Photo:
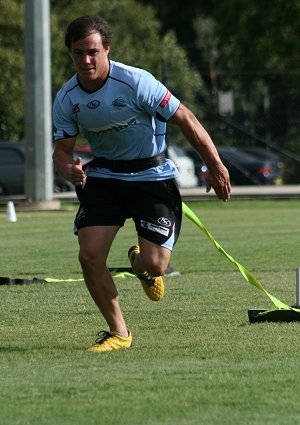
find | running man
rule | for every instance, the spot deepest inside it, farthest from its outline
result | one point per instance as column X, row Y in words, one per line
column 122, row 111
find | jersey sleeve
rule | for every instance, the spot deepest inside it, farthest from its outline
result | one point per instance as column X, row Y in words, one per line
column 155, row 98
column 65, row 125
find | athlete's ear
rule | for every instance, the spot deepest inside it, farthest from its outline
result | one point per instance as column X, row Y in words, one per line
column 70, row 54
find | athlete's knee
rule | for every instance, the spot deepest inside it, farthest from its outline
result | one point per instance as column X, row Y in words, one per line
column 90, row 260
column 85, row 259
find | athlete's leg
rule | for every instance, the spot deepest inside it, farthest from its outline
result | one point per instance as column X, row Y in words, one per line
column 95, row 243
column 152, row 258
column 158, row 222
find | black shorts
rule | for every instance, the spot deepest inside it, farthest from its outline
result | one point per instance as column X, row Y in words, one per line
column 155, row 207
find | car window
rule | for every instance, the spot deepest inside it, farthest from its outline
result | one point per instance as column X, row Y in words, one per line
column 235, row 155
column 10, row 157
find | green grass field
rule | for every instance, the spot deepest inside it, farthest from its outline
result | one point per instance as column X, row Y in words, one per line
column 195, row 360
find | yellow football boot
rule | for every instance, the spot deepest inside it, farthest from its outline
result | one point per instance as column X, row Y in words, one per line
column 107, row 341
column 153, row 286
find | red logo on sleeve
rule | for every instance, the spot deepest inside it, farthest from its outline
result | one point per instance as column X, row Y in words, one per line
column 165, row 99
column 75, row 108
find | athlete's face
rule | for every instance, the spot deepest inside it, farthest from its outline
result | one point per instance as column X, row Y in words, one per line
column 90, row 58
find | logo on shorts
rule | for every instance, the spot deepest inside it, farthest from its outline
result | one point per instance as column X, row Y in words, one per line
column 164, row 221
column 155, row 228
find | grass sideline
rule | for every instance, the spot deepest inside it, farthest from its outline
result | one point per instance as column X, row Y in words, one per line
column 195, row 360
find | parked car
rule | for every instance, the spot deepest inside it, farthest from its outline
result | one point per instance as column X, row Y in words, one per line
column 12, row 170
column 267, row 155
column 244, row 168
column 200, row 167
column 185, row 166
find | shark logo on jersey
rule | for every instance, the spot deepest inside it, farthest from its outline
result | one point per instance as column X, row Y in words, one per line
column 118, row 103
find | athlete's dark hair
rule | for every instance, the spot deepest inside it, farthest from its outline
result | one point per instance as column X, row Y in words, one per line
column 86, row 25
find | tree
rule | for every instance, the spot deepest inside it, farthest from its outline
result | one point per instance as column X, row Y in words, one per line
column 12, row 69
column 263, row 40
column 137, row 41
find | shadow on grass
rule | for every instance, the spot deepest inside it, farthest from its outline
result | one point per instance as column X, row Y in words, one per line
column 14, row 349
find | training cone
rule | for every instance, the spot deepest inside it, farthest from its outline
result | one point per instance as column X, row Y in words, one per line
column 11, row 212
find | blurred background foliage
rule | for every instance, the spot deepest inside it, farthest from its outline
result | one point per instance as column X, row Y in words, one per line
column 235, row 63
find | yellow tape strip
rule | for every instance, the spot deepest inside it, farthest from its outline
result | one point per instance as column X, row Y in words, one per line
column 122, row 275
column 247, row 275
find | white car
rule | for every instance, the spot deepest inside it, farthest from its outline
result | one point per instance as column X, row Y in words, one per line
column 185, row 165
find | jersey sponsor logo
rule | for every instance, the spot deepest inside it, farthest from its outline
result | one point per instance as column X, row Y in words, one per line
column 112, row 128
column 93, row 104
column 155, row 228
column 118, row 103
column 164, row 221
column 76, row 108
column 166, row 99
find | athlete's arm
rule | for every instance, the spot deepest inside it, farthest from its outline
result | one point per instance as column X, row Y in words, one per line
column 217, row 177
column 64, row 162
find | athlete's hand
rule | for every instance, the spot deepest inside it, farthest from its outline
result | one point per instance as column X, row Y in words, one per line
column 219, row 180
column 76, row 173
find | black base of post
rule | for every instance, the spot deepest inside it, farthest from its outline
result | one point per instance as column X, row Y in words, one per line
column 280, row 315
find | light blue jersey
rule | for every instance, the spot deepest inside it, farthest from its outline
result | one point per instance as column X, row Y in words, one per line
column 125, row 119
